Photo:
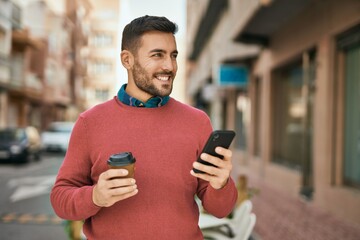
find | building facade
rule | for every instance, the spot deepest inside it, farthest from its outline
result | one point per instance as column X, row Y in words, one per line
column 103, row 52
column 78, row 15
column 293, row 102
column 6, row 26
column 42, row 61
column 21, row 81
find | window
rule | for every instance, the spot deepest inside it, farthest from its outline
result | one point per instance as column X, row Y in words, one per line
column 257, row 117
column 292, row 113
column 100, row 67
column 242, row 119
column 101, row 39
column 349, row 52
column 3, row 42
column 101, row 94
column 352, row 116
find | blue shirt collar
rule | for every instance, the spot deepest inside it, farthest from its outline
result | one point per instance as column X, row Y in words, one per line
column 131, row 101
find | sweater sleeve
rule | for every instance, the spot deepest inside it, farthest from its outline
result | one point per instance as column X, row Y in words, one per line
column 71, row 196
column 218, row 202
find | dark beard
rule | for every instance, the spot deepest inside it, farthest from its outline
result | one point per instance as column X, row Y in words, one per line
column 144, row 82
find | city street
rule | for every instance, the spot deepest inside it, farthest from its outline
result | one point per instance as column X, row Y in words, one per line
column 25, row 209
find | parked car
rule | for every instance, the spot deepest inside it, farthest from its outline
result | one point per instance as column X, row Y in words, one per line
column 19, row 144
column 57, row 136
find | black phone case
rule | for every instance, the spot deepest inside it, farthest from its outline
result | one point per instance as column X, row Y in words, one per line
column 221, row 138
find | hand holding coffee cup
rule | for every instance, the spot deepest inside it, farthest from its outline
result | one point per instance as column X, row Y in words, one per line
column 114, row 185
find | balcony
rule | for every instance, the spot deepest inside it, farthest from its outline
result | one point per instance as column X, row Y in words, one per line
column 17, row 71
column 4, row 69
column 24, row 82
column 207, row 25
column 21, row 39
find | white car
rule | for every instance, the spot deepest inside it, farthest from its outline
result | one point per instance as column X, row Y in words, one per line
column 57, row 137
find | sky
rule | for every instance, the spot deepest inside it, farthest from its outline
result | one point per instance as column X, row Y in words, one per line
column 174, row 10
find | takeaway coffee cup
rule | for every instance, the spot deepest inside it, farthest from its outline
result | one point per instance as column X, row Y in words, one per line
column 124, row 160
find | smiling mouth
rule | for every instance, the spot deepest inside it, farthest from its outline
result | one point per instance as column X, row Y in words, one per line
column 163, row 78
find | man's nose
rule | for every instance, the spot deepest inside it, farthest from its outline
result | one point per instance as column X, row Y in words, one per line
column 169, row 64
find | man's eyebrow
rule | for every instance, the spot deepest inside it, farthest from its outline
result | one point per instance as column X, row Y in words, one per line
column 157, row 50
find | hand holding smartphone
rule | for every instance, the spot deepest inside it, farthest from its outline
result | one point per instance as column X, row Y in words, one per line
column 218, row 138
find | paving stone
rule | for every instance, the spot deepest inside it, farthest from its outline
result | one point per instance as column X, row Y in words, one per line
column 280, row 216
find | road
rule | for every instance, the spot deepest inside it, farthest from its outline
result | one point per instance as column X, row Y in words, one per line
column 25, row 209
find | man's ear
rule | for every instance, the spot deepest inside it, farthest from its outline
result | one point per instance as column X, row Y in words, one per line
column 127, row 59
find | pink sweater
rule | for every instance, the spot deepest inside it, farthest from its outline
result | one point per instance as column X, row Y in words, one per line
column 165, row 141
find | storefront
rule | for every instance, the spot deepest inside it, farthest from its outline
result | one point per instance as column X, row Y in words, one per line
column 305, row 131
column 297, row 120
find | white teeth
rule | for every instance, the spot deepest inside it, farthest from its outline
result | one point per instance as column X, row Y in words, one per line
column 163, row 78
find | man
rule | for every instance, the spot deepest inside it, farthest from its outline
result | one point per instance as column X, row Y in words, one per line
column 164, row 135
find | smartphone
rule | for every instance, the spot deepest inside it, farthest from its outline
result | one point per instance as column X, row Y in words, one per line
column 218, row 138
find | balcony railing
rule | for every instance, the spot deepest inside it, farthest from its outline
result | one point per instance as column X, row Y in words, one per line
column 5, row 10
column 4, row 69
column 17, row 71
column 33, row 82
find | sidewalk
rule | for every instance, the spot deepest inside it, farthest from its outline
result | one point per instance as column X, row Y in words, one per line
column 282, row 217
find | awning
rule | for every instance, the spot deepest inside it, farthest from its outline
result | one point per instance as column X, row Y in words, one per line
column 207, row 25
column 269, row 18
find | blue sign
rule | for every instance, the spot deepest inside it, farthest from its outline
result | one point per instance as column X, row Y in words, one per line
column 233, row 75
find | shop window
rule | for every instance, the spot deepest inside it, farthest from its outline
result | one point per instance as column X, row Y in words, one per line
column 349, row 62
column 257, row 116
column 352, row 117
column 13, row 115
column 242, row 119
column 292, row 103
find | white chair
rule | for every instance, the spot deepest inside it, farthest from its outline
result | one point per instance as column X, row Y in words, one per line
column 239, row 227
column 209, row 222
column 244, row 235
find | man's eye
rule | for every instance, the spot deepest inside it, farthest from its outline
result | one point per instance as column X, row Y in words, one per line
column 157, row 55
column 174, row 55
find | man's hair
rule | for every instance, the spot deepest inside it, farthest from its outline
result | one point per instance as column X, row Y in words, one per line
column 133, row 31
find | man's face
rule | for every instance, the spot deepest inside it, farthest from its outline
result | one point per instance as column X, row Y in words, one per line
column 155, row 64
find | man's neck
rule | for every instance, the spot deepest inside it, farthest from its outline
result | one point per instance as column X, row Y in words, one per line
column 134, row 91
